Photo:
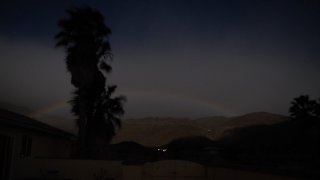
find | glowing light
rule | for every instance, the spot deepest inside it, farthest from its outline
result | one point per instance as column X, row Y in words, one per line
column 162, row 150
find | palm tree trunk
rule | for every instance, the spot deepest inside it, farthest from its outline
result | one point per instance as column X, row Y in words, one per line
column 82, row 142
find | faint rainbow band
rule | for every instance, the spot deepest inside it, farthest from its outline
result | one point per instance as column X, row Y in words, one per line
column 216, row 107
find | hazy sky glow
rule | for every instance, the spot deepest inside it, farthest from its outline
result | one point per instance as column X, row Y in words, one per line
column 186, row 58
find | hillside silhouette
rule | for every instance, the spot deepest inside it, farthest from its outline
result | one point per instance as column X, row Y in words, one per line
column 160, row 131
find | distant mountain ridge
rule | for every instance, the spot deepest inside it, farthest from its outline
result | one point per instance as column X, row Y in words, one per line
column 160, row 131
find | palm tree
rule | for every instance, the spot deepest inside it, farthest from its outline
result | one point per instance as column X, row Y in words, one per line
column 106, row 118
column 85, row 38
column 304, row 110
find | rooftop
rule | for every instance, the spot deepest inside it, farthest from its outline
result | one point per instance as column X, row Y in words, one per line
column 10, row 118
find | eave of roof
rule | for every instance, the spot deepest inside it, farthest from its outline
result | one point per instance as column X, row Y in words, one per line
column 18, row 120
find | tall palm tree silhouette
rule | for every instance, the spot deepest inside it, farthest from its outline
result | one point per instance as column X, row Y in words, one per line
column 85, row 38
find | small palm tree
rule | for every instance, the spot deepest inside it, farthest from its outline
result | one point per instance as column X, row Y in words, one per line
column 304, row 110
column 85, row 38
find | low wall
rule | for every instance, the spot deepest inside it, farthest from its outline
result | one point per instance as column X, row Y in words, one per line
column 179, row 170
column 162, row 170
column 67, row 169
column 215, row 173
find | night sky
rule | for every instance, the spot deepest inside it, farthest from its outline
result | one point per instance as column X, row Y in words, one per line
column 187, row 58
